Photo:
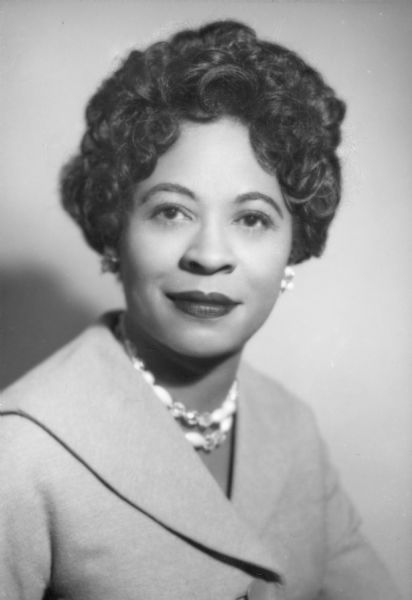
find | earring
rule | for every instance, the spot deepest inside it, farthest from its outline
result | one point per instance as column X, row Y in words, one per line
column 110, row 261
column 286, row 283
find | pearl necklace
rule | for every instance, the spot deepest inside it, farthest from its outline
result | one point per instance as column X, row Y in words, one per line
column 205, row 431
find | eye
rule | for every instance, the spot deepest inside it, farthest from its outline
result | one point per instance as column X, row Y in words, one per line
column 170, row 213
column 255, row 220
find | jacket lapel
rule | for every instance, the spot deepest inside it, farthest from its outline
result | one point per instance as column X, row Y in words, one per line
column 88, row 393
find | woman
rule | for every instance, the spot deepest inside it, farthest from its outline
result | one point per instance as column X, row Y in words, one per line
column 144, row 459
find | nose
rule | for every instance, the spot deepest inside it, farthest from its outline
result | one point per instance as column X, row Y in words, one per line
column 209, row 252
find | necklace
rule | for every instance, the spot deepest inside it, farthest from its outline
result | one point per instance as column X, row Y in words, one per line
column 205, row 431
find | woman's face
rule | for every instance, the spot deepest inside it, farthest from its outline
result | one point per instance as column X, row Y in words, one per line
column 206, row 243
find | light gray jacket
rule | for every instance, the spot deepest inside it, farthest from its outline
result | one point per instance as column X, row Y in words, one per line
column 102, row 498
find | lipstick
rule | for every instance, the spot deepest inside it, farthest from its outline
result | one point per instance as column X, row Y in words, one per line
column 204, row 306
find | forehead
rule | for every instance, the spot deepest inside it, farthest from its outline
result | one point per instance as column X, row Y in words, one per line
column 213, row 159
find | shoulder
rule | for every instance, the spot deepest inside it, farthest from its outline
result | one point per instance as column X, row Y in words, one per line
column 63, row 396
column 271, row 398
column 71, row 369
column 285, row 424
column 83, row 393
column 45, row 390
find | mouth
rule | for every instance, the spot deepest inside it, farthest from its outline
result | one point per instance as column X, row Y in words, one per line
column 201, row 305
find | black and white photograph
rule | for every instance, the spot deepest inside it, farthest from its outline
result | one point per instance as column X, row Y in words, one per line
column 205, row 300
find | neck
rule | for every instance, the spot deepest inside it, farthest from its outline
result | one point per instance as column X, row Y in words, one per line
column 200, row 383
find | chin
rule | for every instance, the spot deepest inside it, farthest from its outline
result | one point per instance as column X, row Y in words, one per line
column 206, row 346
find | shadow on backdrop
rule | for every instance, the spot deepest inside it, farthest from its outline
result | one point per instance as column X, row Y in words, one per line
column 37, row 316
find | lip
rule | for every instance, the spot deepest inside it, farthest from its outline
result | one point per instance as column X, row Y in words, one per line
column 202, row 297
column 201, row 305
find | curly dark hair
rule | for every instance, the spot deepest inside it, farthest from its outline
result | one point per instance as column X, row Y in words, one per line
column 220, row 69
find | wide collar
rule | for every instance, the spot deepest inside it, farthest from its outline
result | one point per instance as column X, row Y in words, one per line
column 101, row 409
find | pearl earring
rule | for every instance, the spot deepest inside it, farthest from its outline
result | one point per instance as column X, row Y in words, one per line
column 286, row 283
column 110, row 261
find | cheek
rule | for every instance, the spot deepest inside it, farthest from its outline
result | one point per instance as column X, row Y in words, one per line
column 265, row 267
column 144, row 258
column 266, row 287
column 266, row 290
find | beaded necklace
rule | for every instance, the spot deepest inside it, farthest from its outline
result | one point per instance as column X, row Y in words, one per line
column 205, row 431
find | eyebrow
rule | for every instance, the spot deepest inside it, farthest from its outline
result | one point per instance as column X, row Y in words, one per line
column 167, row 187
column 260, row 196
column 180, row 189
